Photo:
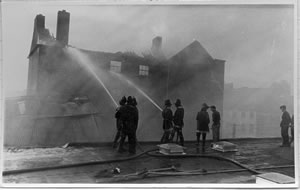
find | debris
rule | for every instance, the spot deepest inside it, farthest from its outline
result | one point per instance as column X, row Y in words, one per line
column 224, row 146
column 116, row 171
column 14, row 150
column 66, row 145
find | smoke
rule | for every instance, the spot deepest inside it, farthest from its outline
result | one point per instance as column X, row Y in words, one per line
column 84, row 61
column 121, row 77
column 241, row 35
column 160, row 29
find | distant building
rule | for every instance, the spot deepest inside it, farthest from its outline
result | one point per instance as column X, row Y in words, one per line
column 65, row 103
column 254, row 112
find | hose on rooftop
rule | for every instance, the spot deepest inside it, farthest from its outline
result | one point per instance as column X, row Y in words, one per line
column 206, row 156
column 149, row 153
column 14, row 172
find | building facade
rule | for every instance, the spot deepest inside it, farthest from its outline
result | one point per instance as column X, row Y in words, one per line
column 71, row 92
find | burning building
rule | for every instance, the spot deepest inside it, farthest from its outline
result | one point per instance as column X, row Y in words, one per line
column 72, row 93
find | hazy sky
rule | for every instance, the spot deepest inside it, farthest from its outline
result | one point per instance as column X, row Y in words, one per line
column 255, row 40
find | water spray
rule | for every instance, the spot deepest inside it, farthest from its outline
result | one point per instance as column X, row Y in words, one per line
column 86, row 62
column 137, row 88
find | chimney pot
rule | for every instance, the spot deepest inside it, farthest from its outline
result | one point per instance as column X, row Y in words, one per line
column 156, row 48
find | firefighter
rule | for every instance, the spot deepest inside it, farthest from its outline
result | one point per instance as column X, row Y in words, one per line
column 129, row 117
column 167, row 115
column 119, row 123
column 202, row 125
column 178, row 122
column 136, row 122
column 136, row 111
column 216, row 123
column 284, row 124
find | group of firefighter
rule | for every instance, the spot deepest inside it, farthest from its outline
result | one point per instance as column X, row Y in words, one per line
column 127, row 116
column 173, row 124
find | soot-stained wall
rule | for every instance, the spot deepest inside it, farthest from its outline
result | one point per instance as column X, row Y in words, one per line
column 68, row 103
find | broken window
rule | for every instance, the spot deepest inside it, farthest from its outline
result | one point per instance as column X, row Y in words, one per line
column 115, row 66
column 79, row 99
column 144, row 70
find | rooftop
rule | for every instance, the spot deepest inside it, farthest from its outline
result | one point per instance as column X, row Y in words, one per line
column 253, row 153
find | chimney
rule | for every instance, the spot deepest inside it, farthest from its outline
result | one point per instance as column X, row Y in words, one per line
column 156, row 44
column 156, row 48
column 39, row 22
column 62, row 28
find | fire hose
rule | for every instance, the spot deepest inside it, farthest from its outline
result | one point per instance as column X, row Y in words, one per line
column 152, row 154
column 14, row 172
column 206, row 156
column 174, row 172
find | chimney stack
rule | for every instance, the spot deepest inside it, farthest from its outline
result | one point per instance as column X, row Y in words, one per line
column 62, row 28
column 39, row 21
column 156, row 43
column 156, row 48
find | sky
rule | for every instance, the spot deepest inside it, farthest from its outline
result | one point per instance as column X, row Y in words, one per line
column 256, row 41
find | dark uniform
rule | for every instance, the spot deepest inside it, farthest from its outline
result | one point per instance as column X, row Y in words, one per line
column 202, row 125
column 216, row 124
column 129, row 116
column 167, row 115
column 284, row 124
column 178, row 122
column 292, row 129
column 136, row 122
column 119, row 121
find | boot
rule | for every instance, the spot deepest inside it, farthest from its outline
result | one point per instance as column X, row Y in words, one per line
column 118, row 135
column 121, row 150
column 115, row 145
column 198, row 139
column 181, row 139
column 203, row 142
column 121, row 144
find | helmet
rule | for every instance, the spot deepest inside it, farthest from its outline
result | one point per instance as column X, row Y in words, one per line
column 130, row 100
column 168, row 103
column 178, row 102
column 123, row 101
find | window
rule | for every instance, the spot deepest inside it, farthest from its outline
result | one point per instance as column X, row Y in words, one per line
column 252, row 115
column 234, row 115
column 115, row 66
column 243, row 114
column 144, row 70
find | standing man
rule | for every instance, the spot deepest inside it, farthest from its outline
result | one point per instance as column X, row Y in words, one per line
column 178, row 122
column 284, row 124
column 136, row 119
column 216, row 123
column 167, row 115
column 119, row 123
column 129, row 117
column 202, row 125
column 292, row 129
column 136, row 112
